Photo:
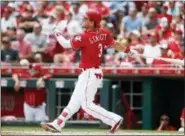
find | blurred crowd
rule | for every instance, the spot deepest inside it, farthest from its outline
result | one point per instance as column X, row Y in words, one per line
column 152, row 28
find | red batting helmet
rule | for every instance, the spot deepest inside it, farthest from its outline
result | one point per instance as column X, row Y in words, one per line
column 94, row 16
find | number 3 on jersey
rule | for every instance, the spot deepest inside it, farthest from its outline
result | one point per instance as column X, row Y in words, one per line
column 100, row 47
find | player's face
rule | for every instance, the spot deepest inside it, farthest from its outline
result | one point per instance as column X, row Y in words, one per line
column 86, row 23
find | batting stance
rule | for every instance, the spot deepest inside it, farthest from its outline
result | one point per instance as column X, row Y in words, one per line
column 91, row 43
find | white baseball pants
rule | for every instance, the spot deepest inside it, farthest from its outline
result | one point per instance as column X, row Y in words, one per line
column 83, row 96
column 35, row 113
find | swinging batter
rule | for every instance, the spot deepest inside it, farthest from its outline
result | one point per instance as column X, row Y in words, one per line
column 91, row 43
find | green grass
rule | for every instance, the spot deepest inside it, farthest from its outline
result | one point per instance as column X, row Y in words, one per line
column 26, row 129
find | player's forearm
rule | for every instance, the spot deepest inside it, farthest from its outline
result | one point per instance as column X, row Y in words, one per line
column 160, row 128
column 138, row 58
column 62, row 41
column 47, row 76
column 119, row 47
column 15, row 77
column 182, row 122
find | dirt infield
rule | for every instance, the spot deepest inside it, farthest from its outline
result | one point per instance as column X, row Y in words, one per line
column 38, row 131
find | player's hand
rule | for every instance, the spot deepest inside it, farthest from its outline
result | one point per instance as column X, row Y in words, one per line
column 132, row 53
column 40, row 83
column 17, row 86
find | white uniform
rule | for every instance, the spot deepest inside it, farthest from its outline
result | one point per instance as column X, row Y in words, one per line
column 83, row 96
column 35, row 113
column 91, row 44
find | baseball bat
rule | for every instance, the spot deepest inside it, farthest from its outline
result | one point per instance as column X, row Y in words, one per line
column 173, row 61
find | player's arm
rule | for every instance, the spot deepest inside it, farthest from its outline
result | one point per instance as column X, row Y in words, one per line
column 62, row 41
column 17, row 82
column 123, row 46
column 75, row 43
column 117, row 45
column 120, row 46
column 41, row 80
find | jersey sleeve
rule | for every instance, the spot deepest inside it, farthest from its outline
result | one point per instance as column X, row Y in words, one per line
column 78, row 41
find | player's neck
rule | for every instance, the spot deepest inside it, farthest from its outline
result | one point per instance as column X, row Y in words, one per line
column 91, row 30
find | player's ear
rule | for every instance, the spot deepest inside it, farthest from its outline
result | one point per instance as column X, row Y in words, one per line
column 93, row 24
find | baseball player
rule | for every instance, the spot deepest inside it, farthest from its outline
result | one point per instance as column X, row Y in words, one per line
column 91, row 43
column 34, row 105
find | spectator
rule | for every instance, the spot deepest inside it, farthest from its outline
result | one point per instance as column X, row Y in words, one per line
column 178, row 24
column 152, row 49
column 7, row 53
column 38, row 58
column 164, row 54
column 143, row 15
column 7, row 20
column 48, row 6
column 22, row 46
column 75, row 11
column 39, row 13
column 116, row 12
column 103, row 10
column 28, row 20
column 181, row 129
column 163, row 29
column 165, row 124
column 154, row 4
column 149, row 16
column 11, row 7
column 48, row 23
column 59, row 12
column 34, row 99
column 65, row 4
column 37, row 39
column 153, row 21
column 175, row 43
column 172, row 8
column 109, row 57
column 69, row 27
column 123, row 60
column 126, row 60
column 22, row 6
column 83, row 7
column 58, row 60
column 181, row 9
column 61, row 61
column 164, row 13
column 130, row 22
column 69, row 55
column 18, row 18
column 135, row 41
column 115, row 7
column 11, row 33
